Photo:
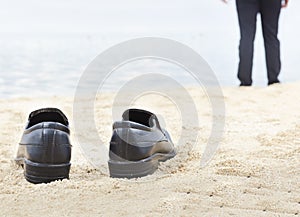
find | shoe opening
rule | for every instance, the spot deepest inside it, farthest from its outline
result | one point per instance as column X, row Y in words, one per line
column 47, row 115
column 139, row 116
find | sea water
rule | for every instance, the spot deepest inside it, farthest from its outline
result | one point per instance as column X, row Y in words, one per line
column 48, row 56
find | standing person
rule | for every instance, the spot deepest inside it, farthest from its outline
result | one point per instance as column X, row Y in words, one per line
column 247, row 12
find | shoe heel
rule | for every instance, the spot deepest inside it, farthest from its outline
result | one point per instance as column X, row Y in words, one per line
column 131, row 169
column 44, row 173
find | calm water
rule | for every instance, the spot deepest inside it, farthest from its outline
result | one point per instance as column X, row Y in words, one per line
column 52, row 63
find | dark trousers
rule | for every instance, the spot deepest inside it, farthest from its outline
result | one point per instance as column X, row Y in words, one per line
column 247, row 14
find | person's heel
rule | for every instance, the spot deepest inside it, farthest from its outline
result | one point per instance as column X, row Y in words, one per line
column 44, row 173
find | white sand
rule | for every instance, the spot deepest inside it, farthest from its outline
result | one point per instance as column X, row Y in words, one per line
column 256, row 171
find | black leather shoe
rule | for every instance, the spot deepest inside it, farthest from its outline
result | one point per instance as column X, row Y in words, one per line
column 45, row 150
column 137, row 145
column 245, row 85
column 273, row 82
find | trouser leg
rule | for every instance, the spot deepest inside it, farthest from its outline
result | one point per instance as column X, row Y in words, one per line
column 247, row 14
column 270, row 11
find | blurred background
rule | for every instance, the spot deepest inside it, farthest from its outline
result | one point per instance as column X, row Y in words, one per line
column 46, row 45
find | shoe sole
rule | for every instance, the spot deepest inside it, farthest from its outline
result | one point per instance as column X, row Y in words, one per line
column 135, row 169
column 44, row 173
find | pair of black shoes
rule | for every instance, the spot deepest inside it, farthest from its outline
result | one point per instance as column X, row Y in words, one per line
column 137, row 146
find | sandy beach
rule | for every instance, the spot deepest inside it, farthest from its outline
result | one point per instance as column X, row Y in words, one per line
column 255, row 172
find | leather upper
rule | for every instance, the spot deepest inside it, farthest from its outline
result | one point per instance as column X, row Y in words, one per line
column 46, row 141
column 138, row 136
